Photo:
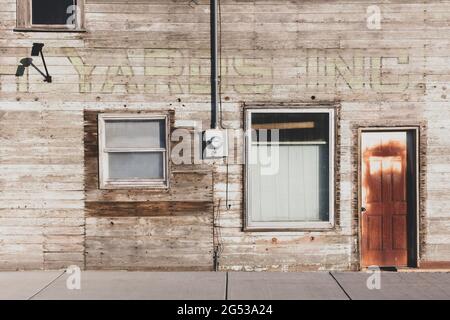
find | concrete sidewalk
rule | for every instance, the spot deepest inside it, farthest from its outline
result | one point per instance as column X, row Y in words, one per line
column 104, row 285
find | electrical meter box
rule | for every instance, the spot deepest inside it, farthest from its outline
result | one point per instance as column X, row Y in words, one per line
column 215, row 144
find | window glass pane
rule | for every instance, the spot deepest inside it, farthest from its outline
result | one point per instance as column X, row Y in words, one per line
column 291, row 127
column 51, row 11
column 135, row 134
column 129, row 165
column 289, row 168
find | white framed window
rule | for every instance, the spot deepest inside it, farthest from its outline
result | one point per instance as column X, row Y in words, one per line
column 133, row 151
column 289, row 169
column 50, row 15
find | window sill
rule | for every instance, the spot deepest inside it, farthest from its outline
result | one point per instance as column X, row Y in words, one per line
column 50, row 30
column 289, row 227
column 150, row 187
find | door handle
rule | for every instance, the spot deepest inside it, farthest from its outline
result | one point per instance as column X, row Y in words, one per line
column 363, row 210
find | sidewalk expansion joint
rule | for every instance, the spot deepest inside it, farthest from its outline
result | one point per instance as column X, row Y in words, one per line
column 226, row 286
column 340, row 286
column 48, row 285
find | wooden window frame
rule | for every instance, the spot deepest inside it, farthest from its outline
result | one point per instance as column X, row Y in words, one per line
column 250, row 225
column 24, row 20
column 105, row 182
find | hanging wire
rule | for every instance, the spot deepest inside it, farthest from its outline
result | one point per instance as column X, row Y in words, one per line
column 217, row 231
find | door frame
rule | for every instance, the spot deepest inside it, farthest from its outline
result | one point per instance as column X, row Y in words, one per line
column 416, row 131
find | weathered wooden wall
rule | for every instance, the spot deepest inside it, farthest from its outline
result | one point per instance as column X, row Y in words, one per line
column 147, row 229
column 154, row 55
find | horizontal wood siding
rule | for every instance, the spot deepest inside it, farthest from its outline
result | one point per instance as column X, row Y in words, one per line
column 41, row 183
column 147, row 229
column 154, row 55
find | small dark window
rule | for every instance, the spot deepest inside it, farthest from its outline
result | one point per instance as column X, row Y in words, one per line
column 53, row 12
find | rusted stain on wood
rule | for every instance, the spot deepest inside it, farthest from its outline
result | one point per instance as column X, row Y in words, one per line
column 385, row 217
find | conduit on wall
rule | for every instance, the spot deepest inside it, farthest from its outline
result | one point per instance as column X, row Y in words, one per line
column 214, row 64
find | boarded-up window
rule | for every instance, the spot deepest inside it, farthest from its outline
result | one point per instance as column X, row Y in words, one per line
column 289, row 169
column 132, row 151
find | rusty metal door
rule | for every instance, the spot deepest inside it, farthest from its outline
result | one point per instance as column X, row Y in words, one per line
column 384, row 212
